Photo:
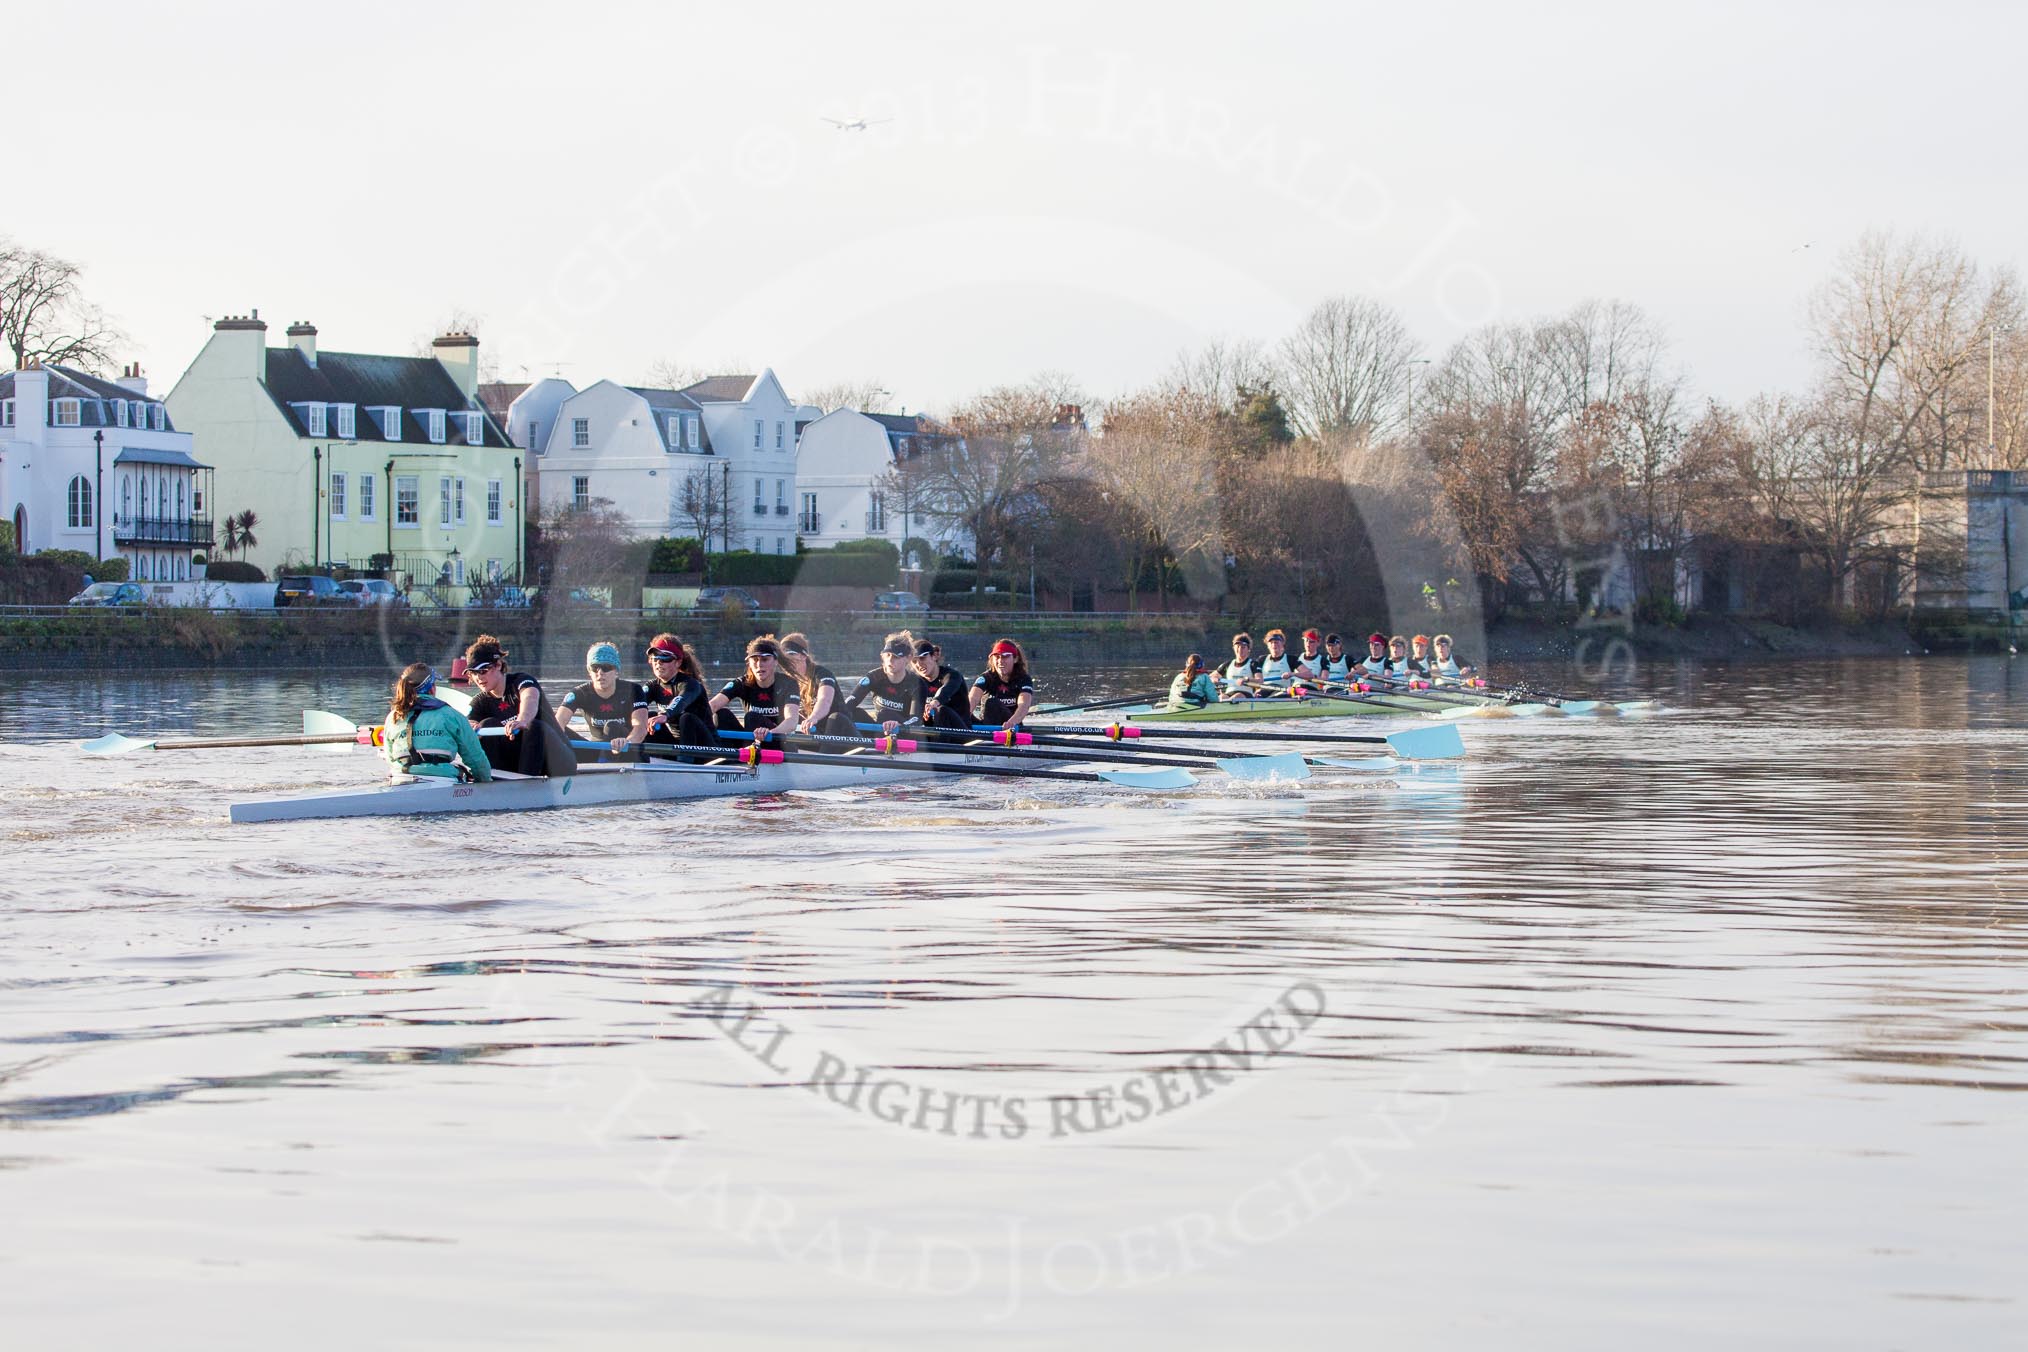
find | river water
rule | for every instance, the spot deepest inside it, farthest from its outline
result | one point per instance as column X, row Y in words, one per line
column 1702, row 1026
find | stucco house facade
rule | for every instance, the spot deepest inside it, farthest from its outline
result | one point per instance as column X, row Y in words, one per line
column 383, row 463
column 98, row 465
column 649, row 452
column 844, row 486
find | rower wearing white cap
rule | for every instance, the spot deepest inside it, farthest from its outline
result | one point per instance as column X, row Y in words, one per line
column 616, row 711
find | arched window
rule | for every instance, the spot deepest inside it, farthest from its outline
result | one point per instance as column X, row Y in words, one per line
column 162, row 498
column 78, row 514
column 126, row 497
column 179, row 499
column 141, row 568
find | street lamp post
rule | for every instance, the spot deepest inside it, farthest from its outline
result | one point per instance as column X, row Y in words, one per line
column 1992, row 340
column 1411, row 364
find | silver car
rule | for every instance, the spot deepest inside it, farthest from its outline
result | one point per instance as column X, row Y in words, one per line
column 372, row 591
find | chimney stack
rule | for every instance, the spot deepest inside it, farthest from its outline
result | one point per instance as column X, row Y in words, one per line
column 459, row 354
column 303, row 337
column 131, row 378
column 247, row 336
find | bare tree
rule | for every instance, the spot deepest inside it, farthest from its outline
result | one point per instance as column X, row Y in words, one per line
column 1345, row 368
column 1223, row 371
column 462, row 320
column 861, row 396
column 701, row 503
column 44, row 316
column 672, row 373
column 1156, row 466
column 1008, row 441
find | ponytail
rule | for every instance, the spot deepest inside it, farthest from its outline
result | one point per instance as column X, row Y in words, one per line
column 408, row 689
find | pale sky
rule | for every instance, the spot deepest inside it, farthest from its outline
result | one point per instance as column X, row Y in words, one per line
column 1080, row 187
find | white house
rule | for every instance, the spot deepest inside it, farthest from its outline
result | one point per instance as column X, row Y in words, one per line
column 96, row 465
column 842, row 470
column 654, row 453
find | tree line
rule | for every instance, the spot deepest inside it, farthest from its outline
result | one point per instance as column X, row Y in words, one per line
column 1339, row 472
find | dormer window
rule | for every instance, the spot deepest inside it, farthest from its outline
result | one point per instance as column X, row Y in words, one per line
column 475, row 429
column 6, row 413
column 64, row 413
column 390, row 422
column 690, row 434
column 346, row 423
column 161, row 417
column 119, row 413
column 433, row 421
column 314, row 417
column 675, row 433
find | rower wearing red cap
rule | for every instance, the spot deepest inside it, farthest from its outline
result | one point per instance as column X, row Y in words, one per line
column 678, row 703
column 1310, row 661
column 1004, row 694
column 1376, row 655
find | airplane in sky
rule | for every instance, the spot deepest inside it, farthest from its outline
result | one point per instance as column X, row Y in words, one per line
column 855, row 124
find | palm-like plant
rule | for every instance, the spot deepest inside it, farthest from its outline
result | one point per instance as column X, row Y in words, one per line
column 228, row 535
column 247, row 521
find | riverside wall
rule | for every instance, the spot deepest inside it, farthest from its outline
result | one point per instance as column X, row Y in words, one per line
column 176, row 639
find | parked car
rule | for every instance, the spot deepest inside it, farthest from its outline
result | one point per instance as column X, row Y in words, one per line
column 901, row 601
column 111, row 594
column 373, row 591
column 309, row 589
column 717, row 600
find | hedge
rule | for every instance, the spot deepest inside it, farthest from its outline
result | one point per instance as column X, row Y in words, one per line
column 968, row 580
column 821, row 568
column 111, row 570
column 234, row 570
column 680, row 554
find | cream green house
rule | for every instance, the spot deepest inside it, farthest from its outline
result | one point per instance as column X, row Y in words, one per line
column 381, row 463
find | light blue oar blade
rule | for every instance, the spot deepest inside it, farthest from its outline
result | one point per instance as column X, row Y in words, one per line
column 1452, row 715
column 1358, row 763
column 1287, row 765
column 115, row 744
column 456, row 698
column 317, row 722
column 1580, row 707
column 1150, row 779
column 1442, row 742
column 1529, row 710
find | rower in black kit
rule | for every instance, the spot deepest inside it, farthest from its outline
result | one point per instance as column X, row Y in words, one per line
column 768, row 695
column 617, row 716
column 949, row 703
column 536, row 746
column 891, row 694
column 678, row 704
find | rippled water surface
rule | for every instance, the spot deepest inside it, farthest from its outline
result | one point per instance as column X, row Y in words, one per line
column 1699, row 1028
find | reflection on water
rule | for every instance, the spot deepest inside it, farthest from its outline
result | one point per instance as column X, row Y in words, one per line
column 1617, row 1016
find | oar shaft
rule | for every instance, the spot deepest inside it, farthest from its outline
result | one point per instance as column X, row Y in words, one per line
column 777, row 757
column 214, row 743
column 1163, row 732
column 950, row 742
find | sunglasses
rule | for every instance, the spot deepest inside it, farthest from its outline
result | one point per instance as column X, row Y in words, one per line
column 659, row 655
column 598, row 667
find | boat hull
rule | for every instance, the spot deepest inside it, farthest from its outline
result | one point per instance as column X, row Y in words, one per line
column 1320, row 707
column 592, row 786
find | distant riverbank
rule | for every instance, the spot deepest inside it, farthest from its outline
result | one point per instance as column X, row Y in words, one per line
column 175, row 639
